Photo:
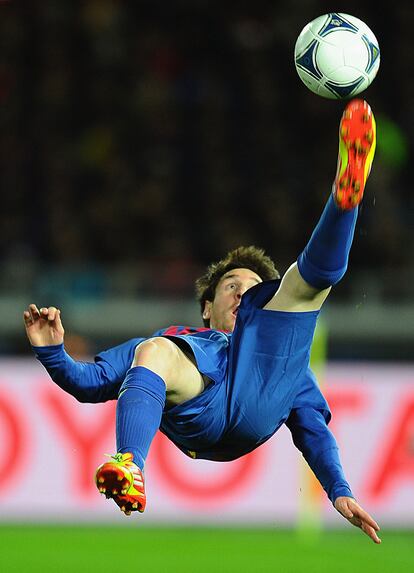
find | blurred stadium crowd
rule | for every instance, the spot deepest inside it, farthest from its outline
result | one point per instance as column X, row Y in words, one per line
column 141, row 140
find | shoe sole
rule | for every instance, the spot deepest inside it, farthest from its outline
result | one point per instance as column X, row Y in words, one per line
column 111, row 482
column 356, row 151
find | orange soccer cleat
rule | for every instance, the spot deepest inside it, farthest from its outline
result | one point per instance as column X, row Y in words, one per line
column 357, row 138
column 122, row 480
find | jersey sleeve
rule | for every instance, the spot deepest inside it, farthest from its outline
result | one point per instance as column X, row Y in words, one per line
column 308, row 423
column 93, row 382
column 310, row 395
column 313, row 438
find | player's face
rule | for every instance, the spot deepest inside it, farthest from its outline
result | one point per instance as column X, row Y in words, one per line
column 222, row 311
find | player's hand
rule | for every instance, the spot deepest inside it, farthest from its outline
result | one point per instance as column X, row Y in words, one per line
column 43, row 327
column 354, row 513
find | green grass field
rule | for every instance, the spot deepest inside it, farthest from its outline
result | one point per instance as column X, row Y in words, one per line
column 101, row 549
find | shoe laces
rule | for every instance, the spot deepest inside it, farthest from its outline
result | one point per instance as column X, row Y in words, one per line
column 116, row 457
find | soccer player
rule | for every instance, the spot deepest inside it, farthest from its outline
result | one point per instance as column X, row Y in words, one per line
column 220, row 391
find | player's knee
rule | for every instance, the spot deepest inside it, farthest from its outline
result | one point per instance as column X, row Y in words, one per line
column 157, row 354
column 317, row 276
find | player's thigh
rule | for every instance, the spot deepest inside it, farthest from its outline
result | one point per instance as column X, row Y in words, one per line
column 176, row 366
column 296, row 295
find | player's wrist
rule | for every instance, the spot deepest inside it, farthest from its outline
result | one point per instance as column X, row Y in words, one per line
column 46, row 349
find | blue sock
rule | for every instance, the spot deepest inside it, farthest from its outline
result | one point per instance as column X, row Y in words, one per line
column 138, row 412
column 325, row 258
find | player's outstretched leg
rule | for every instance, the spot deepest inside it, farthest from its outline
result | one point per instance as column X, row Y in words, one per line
column 122, row 480
column 357, row 137
column 324, row 260
column 138, row 415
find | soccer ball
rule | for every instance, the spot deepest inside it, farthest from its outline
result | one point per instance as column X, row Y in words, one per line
column 337, row 56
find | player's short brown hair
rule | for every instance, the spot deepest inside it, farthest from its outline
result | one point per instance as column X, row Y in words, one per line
column 250, row 258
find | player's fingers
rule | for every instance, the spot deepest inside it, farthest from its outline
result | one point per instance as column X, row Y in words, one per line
column 365, row 517
column 371, row 522
column 371, row 532
column 34, row 312
column 27, row 317
column 58, row 319
column 365, row 522
column 52, row 313
column 43, row 312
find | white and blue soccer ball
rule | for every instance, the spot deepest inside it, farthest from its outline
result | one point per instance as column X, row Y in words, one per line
column 337, row 56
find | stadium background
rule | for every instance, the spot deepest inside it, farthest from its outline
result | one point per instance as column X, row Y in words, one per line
column 141, row 140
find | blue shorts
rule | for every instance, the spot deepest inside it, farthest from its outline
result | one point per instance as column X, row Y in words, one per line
column 256, row 374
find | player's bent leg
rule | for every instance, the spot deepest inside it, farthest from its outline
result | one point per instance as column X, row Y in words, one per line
column 159, row 369
column 181, row 376
column 139, row 410
column 121, row 479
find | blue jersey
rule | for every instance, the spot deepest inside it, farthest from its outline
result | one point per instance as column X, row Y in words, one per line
column 259, row 379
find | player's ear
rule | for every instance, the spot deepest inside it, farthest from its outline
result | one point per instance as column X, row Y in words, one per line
column 207, row 310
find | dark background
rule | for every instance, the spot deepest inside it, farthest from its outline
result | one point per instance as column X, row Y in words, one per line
column 139, row 141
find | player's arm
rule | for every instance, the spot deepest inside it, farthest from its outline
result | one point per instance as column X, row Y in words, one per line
column 87, row 382
column 313, row 438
